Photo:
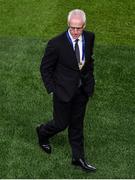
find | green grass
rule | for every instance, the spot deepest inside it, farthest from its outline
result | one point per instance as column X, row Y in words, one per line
column 24, row 103
column 112, row 21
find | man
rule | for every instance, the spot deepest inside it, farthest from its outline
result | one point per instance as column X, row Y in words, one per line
column 67, row 73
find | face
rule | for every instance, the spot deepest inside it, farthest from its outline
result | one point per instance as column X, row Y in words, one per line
column 76, row 26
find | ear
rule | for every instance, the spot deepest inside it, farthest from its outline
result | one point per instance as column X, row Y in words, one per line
column 84, row 26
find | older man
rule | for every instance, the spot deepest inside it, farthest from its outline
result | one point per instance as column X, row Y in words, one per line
column 67, row 73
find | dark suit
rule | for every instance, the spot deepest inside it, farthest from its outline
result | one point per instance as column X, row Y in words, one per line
column 61, row 75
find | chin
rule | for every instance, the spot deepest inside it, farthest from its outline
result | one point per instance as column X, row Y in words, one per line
column 75, row 37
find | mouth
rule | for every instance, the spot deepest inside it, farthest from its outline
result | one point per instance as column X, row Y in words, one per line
column 75, row 35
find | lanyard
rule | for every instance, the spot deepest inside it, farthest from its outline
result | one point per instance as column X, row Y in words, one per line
column 83, row 44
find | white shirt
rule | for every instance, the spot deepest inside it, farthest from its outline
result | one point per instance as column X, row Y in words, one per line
column 79, row 44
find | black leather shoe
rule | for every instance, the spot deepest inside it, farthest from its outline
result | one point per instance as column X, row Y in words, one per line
column 43, row 144
column 83, row 164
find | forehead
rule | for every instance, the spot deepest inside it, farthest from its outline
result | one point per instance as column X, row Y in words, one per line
column 76, row 21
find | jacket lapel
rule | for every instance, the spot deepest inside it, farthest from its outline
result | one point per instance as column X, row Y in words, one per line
column 71, row 52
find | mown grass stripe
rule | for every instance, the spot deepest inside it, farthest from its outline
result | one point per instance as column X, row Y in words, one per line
column 109, row 122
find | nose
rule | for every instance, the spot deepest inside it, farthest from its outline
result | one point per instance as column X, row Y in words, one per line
column 76, row 30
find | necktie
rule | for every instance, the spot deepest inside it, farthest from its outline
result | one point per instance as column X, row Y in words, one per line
column 77, row 52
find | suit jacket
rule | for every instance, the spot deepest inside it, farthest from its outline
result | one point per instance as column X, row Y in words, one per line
column 60, row 71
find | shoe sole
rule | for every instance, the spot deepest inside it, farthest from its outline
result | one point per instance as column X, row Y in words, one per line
column 77, row 167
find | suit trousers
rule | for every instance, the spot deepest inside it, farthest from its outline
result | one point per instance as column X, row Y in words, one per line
column 68, row 114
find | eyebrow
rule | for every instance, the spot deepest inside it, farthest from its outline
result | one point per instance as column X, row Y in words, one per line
column 76, row 27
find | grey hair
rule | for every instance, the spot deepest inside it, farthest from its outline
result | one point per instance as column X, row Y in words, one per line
column 77, row 12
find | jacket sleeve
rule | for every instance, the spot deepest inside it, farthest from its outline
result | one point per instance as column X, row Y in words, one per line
column 48, row 65
column 88, row 74
column 91, row 69
column 92, row 59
